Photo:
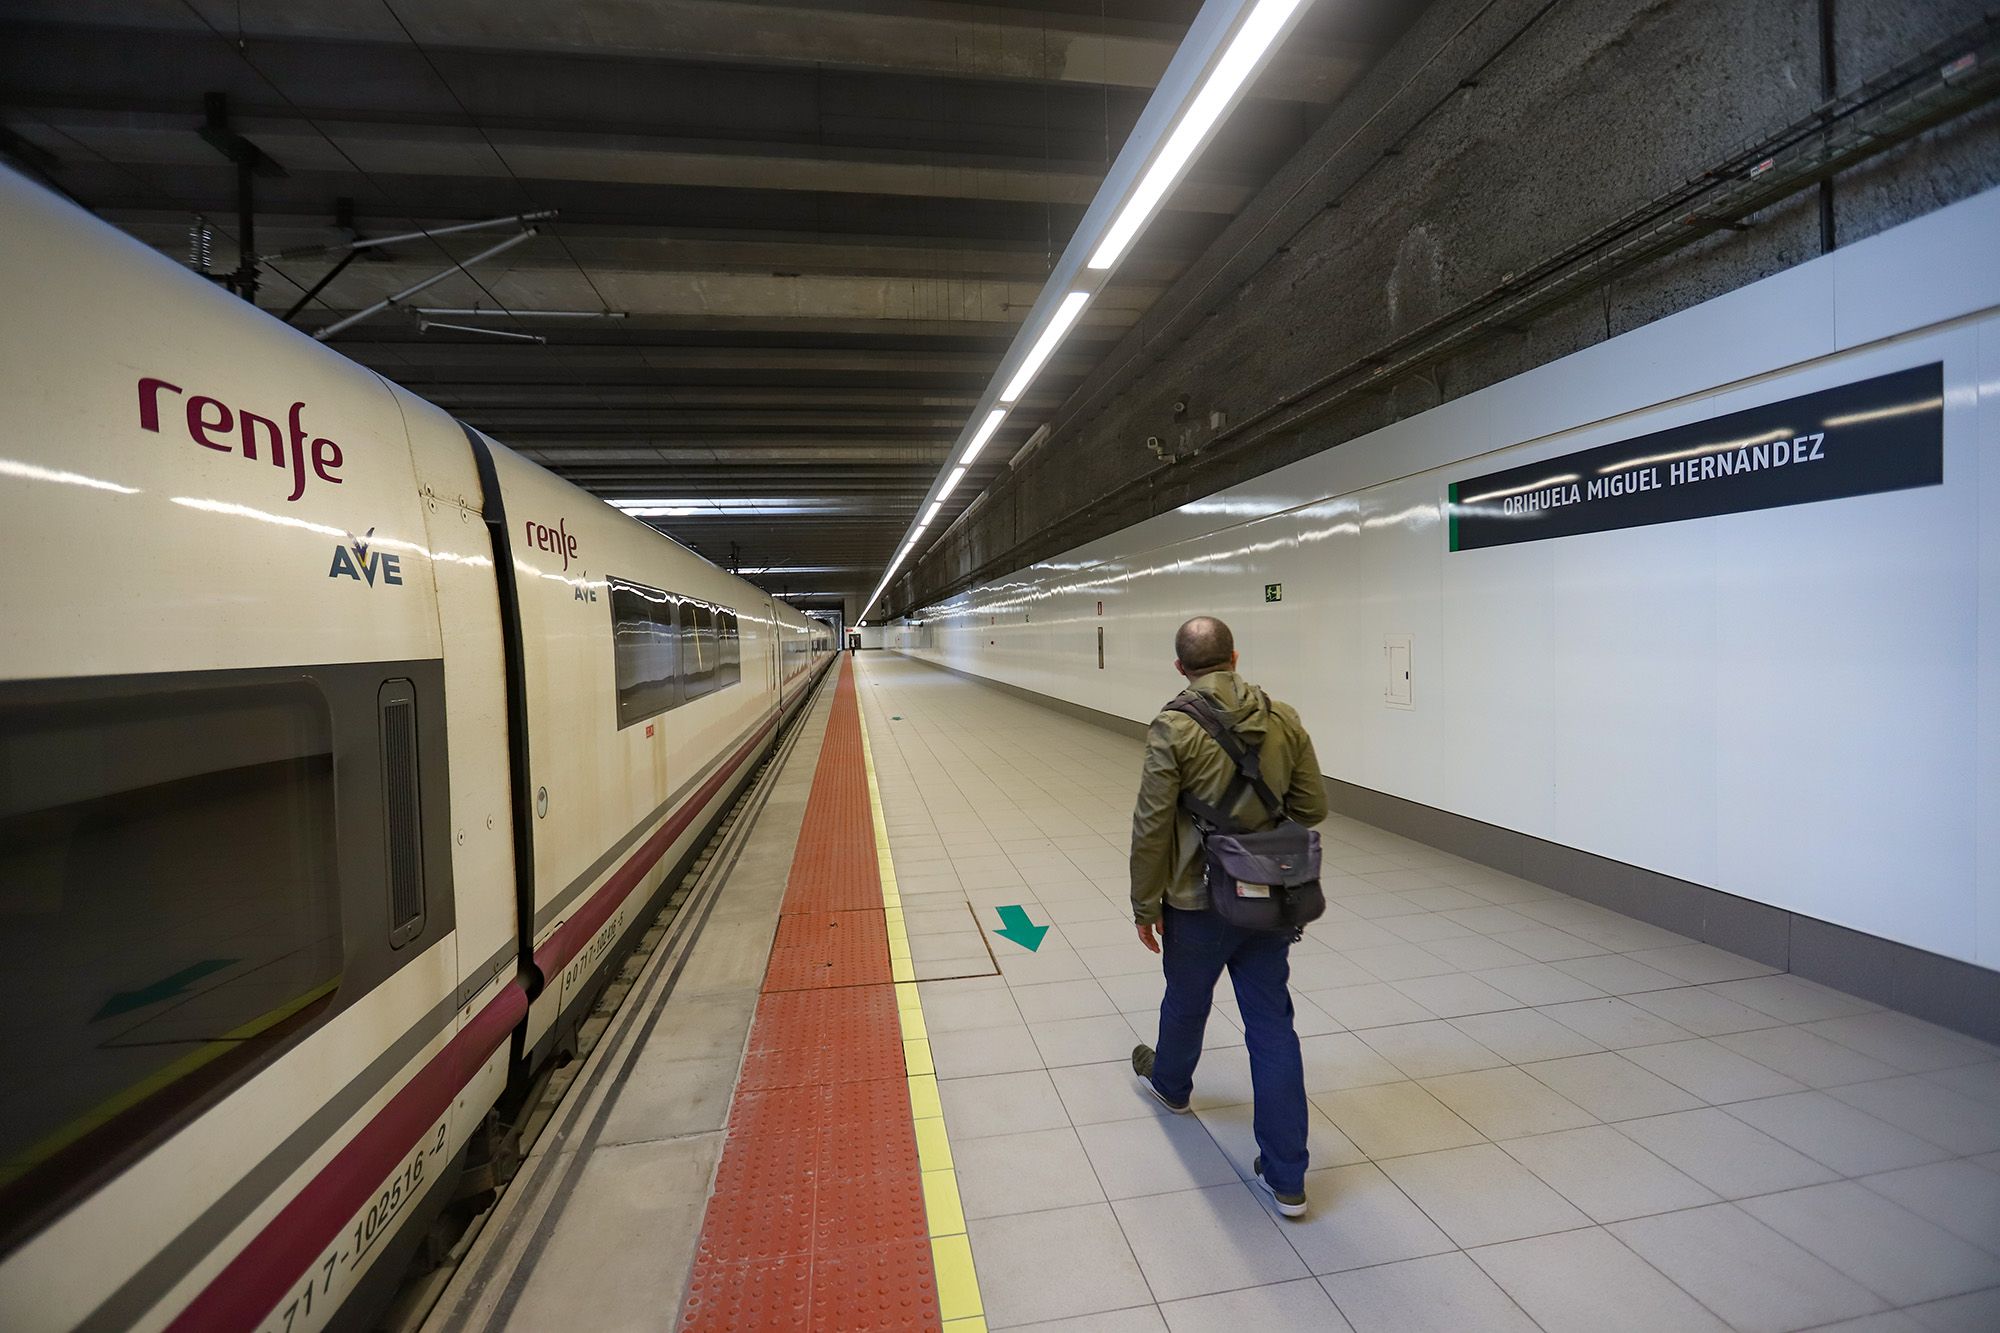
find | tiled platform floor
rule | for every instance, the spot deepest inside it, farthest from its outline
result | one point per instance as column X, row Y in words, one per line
column 1529, row 1112
column 817, row 1219
column 599, row 1229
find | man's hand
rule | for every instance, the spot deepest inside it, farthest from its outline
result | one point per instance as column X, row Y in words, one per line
column 1146, row 936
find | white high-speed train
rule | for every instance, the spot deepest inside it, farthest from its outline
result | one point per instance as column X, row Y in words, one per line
column 341, row 751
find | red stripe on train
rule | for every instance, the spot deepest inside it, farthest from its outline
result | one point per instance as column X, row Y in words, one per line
column 267, row 1269
column 270, row 1266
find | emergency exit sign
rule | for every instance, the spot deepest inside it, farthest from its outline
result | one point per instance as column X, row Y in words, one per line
column 1274, row 592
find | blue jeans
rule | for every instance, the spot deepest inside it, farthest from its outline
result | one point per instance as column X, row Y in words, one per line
column 1196, row 947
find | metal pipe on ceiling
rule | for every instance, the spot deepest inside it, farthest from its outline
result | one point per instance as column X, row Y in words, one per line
column 422, row 233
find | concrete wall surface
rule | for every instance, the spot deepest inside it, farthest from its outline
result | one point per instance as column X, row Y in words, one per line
column 1797, row 705
column 1494, row 134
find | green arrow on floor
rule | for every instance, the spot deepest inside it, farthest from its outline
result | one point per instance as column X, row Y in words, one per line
column 1015, row 926
column 163, row 989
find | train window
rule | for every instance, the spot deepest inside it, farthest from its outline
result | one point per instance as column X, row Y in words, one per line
column 729, row 668
column 668, row 649
column 645, row 650
column 402, row 810
column 169, row 911
column 704, row 628
column 697, row 653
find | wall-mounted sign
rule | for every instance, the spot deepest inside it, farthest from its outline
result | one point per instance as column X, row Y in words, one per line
column 1881, row 434
column 1274, row 592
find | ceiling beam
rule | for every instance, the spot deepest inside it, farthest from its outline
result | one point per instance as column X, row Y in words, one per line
column 923, row 37
column 588, row 398
column 472, row 365
column 925, row 457
column 333, row 146
column 538, row 277
column 694, row 249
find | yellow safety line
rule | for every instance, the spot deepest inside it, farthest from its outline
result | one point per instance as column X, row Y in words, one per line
column 951, row 1251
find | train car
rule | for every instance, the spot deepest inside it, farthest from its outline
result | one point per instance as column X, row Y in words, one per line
column 342, row 752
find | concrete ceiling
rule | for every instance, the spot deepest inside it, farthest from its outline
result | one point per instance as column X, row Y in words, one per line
column 819, row 224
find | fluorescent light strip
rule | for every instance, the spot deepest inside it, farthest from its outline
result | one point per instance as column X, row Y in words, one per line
column 1216, row 94
column 982, row 435
column 1224, row 82
column 1066, row 313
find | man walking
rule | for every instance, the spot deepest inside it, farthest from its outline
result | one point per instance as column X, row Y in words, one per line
column 1168, row 894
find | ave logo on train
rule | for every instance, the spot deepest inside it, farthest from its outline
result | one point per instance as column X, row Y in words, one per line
column 361, row 562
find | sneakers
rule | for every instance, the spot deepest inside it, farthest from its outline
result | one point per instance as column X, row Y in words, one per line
column 1291, row 1205
column 1142, row 1065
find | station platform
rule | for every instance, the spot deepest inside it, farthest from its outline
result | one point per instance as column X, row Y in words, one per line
column 876, row 1075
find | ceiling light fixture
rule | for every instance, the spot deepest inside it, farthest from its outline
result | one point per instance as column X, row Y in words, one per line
column 1257, row 35
column 1066, row 313
column 1226, row 45
column 982, row 435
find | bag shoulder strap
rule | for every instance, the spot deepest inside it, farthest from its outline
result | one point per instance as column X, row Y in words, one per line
column 1249, row 766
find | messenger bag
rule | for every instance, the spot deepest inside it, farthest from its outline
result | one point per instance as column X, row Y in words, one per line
column 1264, row 880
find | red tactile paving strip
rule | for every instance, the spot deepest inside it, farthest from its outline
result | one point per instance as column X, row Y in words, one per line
column 817, row 1220
column 823, row 949
column 839, row 1035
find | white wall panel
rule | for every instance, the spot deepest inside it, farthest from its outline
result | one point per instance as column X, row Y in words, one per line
column 1632, row 653
column 1338, row 656
column 1499, row 707
column 1396, row 590
column 1985, row 466
column 1846, row 659
column 1797, row 705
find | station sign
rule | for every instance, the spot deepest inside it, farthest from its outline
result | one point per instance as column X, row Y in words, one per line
column 1875, row 435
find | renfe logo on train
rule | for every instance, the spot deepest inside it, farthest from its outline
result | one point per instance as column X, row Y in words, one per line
column 545, row 538
column 1881, row 434
column 213, row 424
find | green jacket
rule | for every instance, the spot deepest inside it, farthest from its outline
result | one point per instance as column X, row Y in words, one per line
column 1166, row 853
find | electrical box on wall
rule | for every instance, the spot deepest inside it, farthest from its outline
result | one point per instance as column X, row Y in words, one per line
column 1398, row 687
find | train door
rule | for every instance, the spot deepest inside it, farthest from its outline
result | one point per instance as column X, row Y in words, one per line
column 773, row 653
column 478, row 729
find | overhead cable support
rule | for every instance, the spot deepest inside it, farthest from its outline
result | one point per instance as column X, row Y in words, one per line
column 458, row 266
column 420, row 234
column 251, row 162
column 426, row 325
column 511, row 312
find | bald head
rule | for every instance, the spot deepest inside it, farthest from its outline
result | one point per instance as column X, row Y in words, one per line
column 1204, row 644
